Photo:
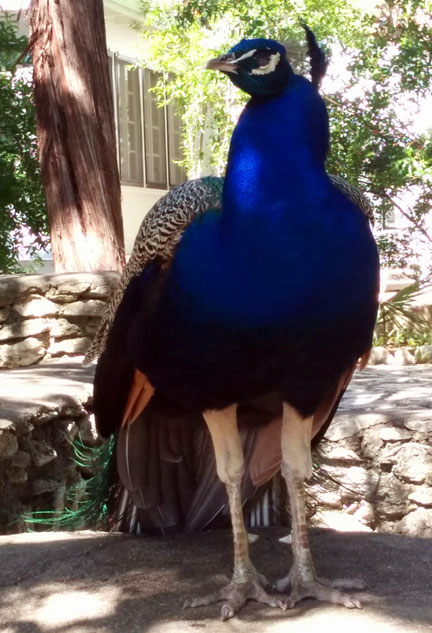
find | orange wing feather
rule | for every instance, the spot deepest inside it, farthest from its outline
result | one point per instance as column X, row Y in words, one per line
column 138, row 398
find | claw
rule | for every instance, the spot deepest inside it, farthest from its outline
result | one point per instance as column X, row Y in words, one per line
column 236, row 594
column 322, row 590
column 227, row 612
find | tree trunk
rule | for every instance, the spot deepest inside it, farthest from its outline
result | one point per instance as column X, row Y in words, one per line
column 76, row 137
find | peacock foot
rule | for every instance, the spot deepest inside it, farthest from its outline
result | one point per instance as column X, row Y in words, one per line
column 236, row 594
column 323, row 590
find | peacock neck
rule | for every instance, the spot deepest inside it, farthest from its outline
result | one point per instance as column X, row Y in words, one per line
column 277, row 153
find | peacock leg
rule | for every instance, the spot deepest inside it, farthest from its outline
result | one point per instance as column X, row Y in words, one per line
column 296, row 467
column 246, row 583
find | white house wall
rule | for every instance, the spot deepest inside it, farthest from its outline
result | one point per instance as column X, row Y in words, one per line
column 136, row 202
column 126, row 42
column 121, row 38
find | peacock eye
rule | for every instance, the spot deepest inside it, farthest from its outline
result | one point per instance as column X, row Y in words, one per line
column 262, row 57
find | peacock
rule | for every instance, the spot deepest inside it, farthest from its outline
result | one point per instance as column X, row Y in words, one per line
column 157, row 237
column 246, row 318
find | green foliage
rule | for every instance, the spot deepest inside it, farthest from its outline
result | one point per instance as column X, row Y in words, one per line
column 389, row 56
column 405, row 337
column 398, row 323
column 23, row 219
column 385, row 155
column 182, row 36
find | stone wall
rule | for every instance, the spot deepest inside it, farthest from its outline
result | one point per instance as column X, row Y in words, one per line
column 43, row 317
column 42, row 410
column 379, row 479
column 374, row 466
column 400, row 356
column 50, row 316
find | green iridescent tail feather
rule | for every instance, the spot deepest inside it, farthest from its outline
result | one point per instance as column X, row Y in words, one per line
column 86, row 503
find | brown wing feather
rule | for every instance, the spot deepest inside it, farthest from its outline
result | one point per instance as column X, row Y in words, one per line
column 266, row 458
column 155, row 465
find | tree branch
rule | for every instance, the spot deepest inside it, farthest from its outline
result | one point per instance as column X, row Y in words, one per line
column 406, row 215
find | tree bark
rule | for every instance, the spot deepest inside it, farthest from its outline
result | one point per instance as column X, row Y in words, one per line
column 76, row 137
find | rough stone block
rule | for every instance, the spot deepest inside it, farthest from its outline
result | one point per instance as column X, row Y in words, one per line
column 33, row 284
column 365, row 512
column 70, row 346
column 6, row 425
column 40, row 486
column 354, row 480
column 23, row 328
column 4, row 314
column 380, row 356
column 413, row 463
column 62, row 328
column 67, row 289
column 422, row 496
column 90, row 308
column 91, row 326
column 8, row 444
column 388, row 456
column 87, row 431
column 417, row 523
column 419, row 420
column 338, row 520
column 23, row 353
column 392, row 497
column 326, row 498
column 35, row 306
column 424, row 354
column 104, row 285
column 348, row 425
column 15, row 474
column 403, row 356
column 394, row 434
column 41, row 452
column 21, row 459
column 343, row 454
column 9, row 290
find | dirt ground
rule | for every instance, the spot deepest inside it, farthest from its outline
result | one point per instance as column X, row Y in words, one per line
column 90, row 582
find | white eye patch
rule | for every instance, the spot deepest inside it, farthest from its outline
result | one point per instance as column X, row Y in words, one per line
column 245, row 56
column 268, row 68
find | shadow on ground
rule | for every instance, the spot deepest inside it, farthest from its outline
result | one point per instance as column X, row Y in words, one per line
column 93, row 583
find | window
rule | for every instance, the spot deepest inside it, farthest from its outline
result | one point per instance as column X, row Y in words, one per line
column 154, row 134
column 148, row 136
column 129, row 125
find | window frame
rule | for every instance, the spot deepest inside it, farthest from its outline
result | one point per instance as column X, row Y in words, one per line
column 115, row 61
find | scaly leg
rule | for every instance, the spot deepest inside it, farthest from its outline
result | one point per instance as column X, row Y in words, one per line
column 296, row 467
column 246, row 583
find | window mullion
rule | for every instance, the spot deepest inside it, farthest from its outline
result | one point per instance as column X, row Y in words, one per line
column 115, row 89
column 167, row 153
column 141, row 78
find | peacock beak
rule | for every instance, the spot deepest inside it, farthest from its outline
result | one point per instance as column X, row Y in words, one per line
column 224, row 63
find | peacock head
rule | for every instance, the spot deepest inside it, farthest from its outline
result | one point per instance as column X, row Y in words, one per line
column 259, row 67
